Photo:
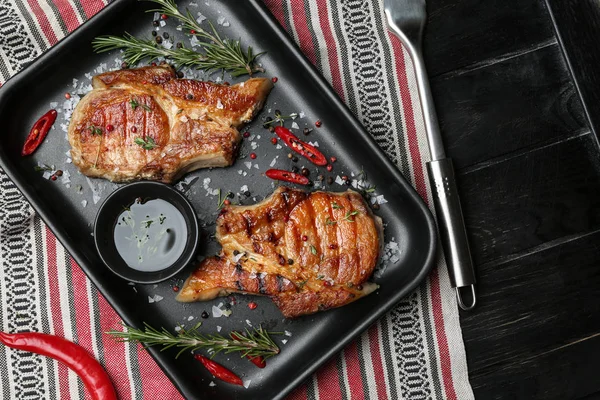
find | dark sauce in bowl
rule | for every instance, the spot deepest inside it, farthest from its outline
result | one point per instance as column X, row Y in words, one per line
column 150, row 235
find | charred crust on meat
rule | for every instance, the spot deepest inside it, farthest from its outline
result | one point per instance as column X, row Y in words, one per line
column 261, row 284
column 281, row 259
column 279, row 283
column 239, row 269
column 239, row 286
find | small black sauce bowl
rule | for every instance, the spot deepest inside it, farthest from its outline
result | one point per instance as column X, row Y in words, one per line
column 107, row 218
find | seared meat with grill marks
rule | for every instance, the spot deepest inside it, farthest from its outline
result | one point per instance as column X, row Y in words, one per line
column 307, row 251
column 146, row 124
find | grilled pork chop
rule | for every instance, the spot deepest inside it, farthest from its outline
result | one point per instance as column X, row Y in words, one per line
column 308, row 252
column 146, row 124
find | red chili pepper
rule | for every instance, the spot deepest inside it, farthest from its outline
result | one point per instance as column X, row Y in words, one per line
column 259, row 361
column 94, row 377
column 219, row 371
column 287, row 176
column 38, row 132
column 300, row 147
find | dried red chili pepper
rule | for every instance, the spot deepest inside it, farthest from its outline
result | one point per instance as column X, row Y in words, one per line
column 287, row 176
column 300, row 147
column 38, row 132
column 259, row 361
column 219, row 371
column 94, row 377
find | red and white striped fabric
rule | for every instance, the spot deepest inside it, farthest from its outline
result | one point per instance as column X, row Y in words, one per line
column 416, row 351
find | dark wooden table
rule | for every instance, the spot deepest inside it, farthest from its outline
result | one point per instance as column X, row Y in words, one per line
column 517, row 89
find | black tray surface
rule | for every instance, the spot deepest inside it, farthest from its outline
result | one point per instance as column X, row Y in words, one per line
column 299, row 89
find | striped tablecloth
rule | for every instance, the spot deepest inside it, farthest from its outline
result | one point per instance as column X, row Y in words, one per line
column 414, row 352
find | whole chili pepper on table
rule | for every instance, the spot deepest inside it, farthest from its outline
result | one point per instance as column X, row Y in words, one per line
column 301, row 147
column 38, row 132
column 219, row 371
column 94, row 377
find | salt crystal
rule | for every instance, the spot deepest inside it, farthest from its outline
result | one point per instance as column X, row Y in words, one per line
column 238, row 257
column 156, row 16
column 274, row 161
column 150, row 299
column 177, row 328
column 201, row 18
column 221, row 20
column 240, row 171
column 66, row 178
column 248, row 164
column 216, row 312
column 47, row 174
column 256, row 166
column 279, row 147
column 258, row 137
column 220, row 105
column 315, row 144
column 245, row 173
column 381, row 199
column 191, row 317
column 53, row 104
column 244, row 189
column 284, row 341
column 248, row 322
column 254, row 145
column 158, row 298
column 295, row 125
column 167, row 44
column 247, row 383
column 194, row 41
column 287, row 333
column 211, row 384
column 162, row 23
column 84, row 203
column 339, row 180
column 218, row 328
column 301, row 114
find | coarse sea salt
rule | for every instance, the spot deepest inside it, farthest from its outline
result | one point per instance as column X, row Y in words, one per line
column 284, row 341
column 219, row 328
column 339, row 180
column 244, row 189
column 287, row 333
column 248, row 164
column 295, row 125
column 274, row 161
column 211, row 384
column 247, row 383
column 200, row 18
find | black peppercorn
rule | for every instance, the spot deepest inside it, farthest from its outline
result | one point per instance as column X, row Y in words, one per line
column 329, row 180
column 180, row 74
column 156, row 23
column 295, row 169
column 190, row 96
column 124, row 65
column 375, row 206
column 179, row 45
column 307, row 131
column 295, row 159
column 305, row 171
column 290, row 261
column 154, row 33
column 166, row 35
column 204, row 314
column 158, row 39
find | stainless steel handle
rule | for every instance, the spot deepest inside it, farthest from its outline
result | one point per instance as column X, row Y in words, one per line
column 452, row 227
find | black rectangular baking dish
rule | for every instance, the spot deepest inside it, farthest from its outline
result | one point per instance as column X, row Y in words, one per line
column 300, row 89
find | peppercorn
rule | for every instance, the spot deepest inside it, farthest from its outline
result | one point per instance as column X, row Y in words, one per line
column 290, row 155
column 290, row 261
column 330, row 180
column 274, row 140
column 153, row 64
column 332, row 159
column 179, row 45
column 227, row 202
column 332, row 246
column 155, row 23
column 190, row 96
column 304, row 238
column 320, row 178
column 133, row 129
column 204, row 314
column 53, row 177
column 329, row 167
column 247, row 193
column 124, row 65
column 230, row 195
column 180, row 74
column 253, row 156
column 344, row 177
column 164, row 16
column 375, row 206
column 193, row 32
column 158, row 39
column 305, row 171
column 271, row 129
column 318, row 124
column 110, row 128
column 295, row 159
column 58, row 173
column 67, row 96
column 274, row 79
column 252, row 305
column 307, row 131
column 166, row 35
column 154, row 33
column 268, row 121
column 246, row 134
column 295, row 169
column 176, row 288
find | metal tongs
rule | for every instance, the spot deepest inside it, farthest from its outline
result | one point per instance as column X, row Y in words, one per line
column 406, row 19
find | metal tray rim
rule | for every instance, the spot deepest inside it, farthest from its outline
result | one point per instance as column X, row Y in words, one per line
column 269, row 19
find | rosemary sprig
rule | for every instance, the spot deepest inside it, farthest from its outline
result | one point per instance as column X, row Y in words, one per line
column 134, row 104
column 219, row 53
column 43, row 168
column 253, row 343
column 350, row 214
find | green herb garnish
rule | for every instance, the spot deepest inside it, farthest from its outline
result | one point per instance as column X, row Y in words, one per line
column 220, row 200
column 335, row 205
column 43, row 168
column 313, row 250
column 255, row 343
column 134, row 104
column 349, row 215
column 219, row 53
column 328, row 221
column 146, row 144
column 96, row 131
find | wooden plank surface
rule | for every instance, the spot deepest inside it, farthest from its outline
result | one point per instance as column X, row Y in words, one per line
column 529, row 176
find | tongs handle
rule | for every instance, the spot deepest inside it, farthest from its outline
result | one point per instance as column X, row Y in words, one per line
column 452, row 227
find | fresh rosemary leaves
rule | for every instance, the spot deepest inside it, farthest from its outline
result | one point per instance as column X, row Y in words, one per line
column 219, row 53
column 253, row 343
column 146, row 144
